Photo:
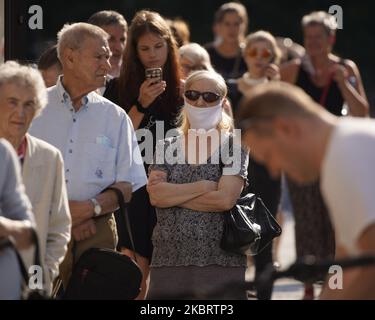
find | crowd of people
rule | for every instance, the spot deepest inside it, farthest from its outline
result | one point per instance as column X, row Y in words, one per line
column 91, row 118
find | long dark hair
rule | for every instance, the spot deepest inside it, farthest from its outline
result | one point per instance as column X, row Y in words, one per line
column 132, row 72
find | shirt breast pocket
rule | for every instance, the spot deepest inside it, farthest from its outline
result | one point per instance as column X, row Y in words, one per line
column 100, row 166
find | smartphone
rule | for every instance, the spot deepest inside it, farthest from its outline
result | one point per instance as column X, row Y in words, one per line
column 154, row 73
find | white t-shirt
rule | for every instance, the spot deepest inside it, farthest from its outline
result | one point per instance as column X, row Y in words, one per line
column 348, row 179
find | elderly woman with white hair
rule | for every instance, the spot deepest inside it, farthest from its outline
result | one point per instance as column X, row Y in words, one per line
column 23, row 95
column 192, row 187
column 194, row 57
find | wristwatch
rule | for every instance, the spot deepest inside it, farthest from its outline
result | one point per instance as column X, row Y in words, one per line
column 139, row 107
column 97, row 207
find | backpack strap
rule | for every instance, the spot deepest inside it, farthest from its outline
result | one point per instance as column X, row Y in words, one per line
column 123, row 205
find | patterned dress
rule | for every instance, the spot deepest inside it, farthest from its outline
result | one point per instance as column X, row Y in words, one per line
column 313, row 228
column 186, row 242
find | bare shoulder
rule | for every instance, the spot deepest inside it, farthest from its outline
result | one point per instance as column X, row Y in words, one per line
column 349, row 64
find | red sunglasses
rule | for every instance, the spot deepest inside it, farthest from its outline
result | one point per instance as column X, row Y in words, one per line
column 264, row 53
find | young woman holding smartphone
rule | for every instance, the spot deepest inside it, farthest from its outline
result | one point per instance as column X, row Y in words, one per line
column 150, row 45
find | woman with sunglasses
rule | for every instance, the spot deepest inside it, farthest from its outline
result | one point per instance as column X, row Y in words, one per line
column 191, row 196
column 194, row 57
column 151, row 104
column 262, row 57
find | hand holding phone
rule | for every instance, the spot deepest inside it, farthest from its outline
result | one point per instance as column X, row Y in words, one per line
column 152, row 87
column 154, row 73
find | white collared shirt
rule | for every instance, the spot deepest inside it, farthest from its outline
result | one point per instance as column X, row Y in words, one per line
column 97, row 142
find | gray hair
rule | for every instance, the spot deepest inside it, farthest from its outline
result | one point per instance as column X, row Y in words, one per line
column 107, row 18
column 11, row 72
column 197, row 55
column 326, row 20
column 72, row 36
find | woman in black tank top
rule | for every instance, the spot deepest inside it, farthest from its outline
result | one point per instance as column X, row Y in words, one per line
column 334, row 100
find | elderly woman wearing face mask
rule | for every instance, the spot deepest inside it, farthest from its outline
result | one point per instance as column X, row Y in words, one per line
column 194, row 180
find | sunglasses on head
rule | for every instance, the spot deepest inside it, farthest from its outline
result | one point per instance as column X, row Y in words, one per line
column 209, row 97
column 264, row 53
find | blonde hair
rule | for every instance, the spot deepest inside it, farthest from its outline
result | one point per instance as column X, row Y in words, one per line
column 197, row 55
column 11, row 72
column 226, row 122
column 72, row 36
column 266, row 36
column 327, row 21
column 180, row 30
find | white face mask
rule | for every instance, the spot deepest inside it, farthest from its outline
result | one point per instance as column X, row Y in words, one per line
column 204, row 118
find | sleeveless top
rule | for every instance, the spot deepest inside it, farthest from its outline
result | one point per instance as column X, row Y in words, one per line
column 334, row 99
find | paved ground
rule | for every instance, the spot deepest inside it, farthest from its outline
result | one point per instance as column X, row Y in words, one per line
column 285, row 289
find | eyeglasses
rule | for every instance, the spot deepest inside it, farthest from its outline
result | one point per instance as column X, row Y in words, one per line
column 194, row 95
column 264, row 53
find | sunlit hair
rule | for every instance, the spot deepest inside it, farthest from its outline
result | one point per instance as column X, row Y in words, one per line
column 72, row 36
column 266, row 37
column 180, row 30
column 108, row 18
column 226, row 122
column 197, row 55
column 322, row 18
column 132, row 72
column 12, row 72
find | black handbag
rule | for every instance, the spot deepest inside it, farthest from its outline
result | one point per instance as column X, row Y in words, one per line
column 104, row 274
column 241, row 234
column 249, row 226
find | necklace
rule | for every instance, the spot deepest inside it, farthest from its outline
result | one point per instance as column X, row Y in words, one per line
column 251, row 81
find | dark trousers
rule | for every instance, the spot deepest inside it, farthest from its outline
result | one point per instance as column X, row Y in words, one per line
column 268, row 189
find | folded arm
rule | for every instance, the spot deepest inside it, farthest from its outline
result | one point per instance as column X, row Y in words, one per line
column 222, row 199
column 165, row 195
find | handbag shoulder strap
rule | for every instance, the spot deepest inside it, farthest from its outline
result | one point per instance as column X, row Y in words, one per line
column 37, row 260
column 122, row 204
